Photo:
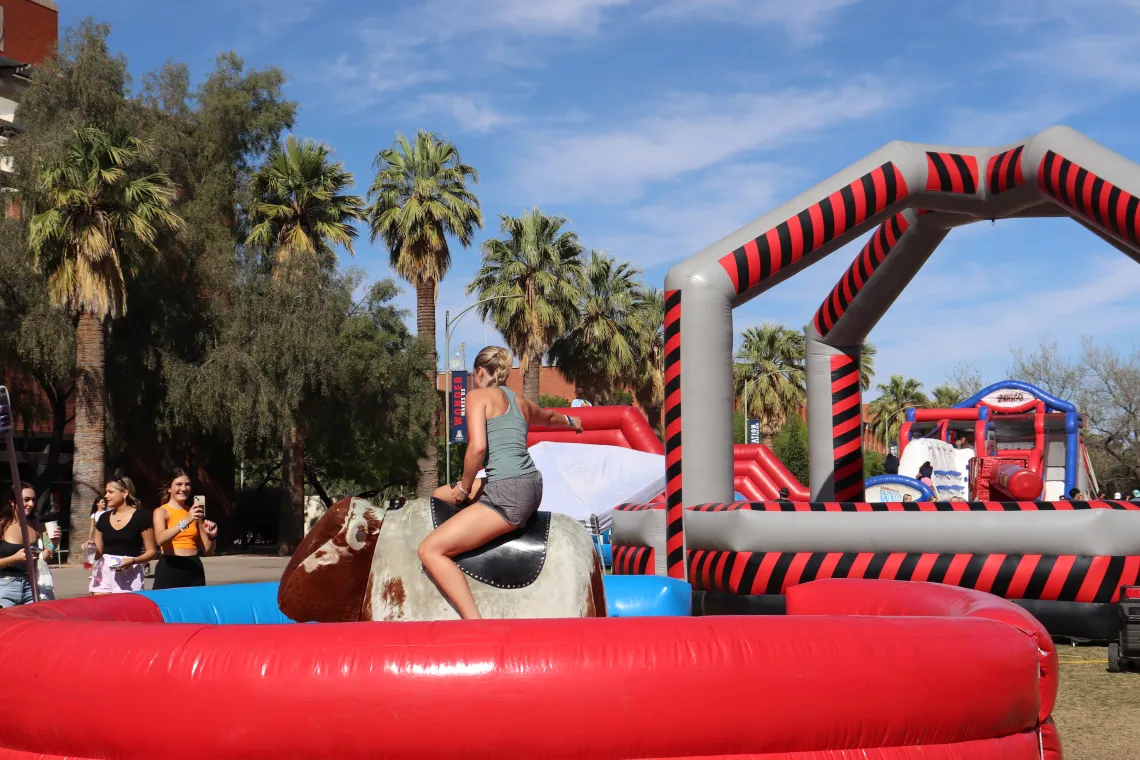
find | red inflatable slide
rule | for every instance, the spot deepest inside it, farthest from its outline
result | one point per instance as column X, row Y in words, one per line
column 756, row 472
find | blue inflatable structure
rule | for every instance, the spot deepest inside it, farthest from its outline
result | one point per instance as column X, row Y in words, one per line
column 256, row 603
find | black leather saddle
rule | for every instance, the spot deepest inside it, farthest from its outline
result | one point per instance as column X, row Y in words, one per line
column 513, row 560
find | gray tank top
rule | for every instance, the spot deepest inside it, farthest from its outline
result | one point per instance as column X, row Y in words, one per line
column 507, row 455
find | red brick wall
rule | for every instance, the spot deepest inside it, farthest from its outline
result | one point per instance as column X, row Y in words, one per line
column 31, row 30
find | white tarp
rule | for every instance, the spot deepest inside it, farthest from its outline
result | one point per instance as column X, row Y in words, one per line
column 584, row 480
column 951, row 477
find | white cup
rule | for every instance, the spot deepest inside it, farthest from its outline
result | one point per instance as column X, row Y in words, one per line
column 50, row 527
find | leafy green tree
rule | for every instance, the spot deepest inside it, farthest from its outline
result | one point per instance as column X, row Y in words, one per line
column 598, row 354
column 97, row 214
column 549, row 401
column 874, row 464
column 896, row 396
column 209, row 138
column 620, row 397
column 531, row 276
column 421, row 194
column 791, row 447
column 649, row 379
column 39, row 346
column 299, row 212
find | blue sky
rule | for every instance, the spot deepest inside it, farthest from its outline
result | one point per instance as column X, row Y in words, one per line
column 659, row 126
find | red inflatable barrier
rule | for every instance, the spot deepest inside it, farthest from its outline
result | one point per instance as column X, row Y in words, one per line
column 768, row 474
column 1016, row 482
column 906, row 598
column 623, row 426
column 918, row 673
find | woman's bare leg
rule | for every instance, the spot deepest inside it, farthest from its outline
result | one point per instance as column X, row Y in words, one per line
column 469, row 529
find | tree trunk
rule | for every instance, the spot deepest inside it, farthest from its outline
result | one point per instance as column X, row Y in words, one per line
column 768, row 439
column 87, row 481
column 428, row 467
column 532, row 379
column 291, row 519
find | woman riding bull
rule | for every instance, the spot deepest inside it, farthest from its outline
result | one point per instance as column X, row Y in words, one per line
column 497, row 422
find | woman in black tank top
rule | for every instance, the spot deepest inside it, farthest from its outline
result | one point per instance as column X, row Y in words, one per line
column 484, row 519
column 15, row 587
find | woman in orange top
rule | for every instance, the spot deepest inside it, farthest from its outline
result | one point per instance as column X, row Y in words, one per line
column 183, row 534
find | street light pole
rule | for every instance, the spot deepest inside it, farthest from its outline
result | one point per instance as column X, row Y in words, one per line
column 448, row 327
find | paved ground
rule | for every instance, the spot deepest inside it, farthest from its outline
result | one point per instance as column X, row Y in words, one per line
column 72, row 581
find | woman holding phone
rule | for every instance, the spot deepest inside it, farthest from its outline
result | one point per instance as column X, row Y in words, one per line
column 184, row 534
column 124, row 541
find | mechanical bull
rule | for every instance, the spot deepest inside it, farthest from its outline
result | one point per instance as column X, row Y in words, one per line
column 359, row 563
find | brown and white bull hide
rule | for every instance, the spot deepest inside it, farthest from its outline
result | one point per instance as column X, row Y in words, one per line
column 351, row 567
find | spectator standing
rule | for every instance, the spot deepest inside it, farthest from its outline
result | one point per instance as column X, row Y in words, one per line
column 15, row 587
column 97, row 510
column 184, row 535
column 124, row 541
column 891, row 463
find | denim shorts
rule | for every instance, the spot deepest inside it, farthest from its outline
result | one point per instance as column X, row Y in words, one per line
column 14, row 590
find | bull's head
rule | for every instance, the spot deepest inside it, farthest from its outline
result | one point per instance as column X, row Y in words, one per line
column 327, row 579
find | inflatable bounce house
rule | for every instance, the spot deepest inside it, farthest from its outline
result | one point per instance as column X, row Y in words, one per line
column 894, row 640
column 1012, row 440
column 1064, row 561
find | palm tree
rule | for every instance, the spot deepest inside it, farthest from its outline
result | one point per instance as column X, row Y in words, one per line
column 946, row 396
column 533, row 275
column 96, row 214
column 867, row 365
column 420, row 196
column 298, row 206
column 771, row 365
column 887, row 410
column 649, row 383
column 300, row 211
column 598, row 354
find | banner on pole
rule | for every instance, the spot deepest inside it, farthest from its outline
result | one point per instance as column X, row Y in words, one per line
column 752, row 428
column 457, row 406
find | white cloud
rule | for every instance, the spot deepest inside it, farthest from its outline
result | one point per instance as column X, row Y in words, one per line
column 469, row 114
column 698, row 213
column 692, row 132
column 274, row 16
column 803, row 19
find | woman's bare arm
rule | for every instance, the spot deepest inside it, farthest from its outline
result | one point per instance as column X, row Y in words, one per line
column 535, row 415
column 477, row 439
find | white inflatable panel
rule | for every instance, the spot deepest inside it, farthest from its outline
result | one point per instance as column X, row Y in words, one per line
column 587, row 480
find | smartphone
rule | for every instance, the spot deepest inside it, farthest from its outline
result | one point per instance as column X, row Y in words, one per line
column 200, row 501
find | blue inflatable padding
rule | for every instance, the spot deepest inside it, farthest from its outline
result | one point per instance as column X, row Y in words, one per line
column 238, row 603
column 608, row 555
column 925, row 493
column 647, row 596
